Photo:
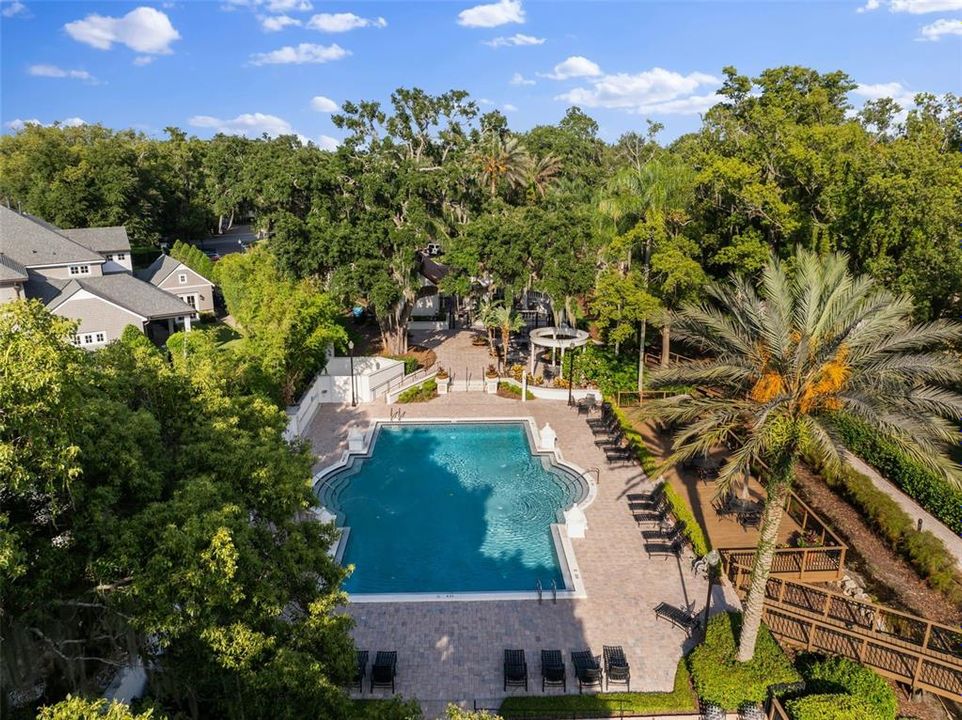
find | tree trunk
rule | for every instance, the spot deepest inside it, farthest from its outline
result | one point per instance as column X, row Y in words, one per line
column 230, row 223
column 220, row 224
column 761, row 568
column 641, row 356
column 665, row 344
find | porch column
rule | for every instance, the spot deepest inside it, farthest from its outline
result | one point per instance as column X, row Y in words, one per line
column 187, row 323
column 170, row 326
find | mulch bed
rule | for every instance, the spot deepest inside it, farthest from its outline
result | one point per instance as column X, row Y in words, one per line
column 890, row 578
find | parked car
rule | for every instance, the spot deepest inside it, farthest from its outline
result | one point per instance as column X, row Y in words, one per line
column 212, row 254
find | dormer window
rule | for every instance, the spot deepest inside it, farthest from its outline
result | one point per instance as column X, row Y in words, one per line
column 109, row 257
column 121, row 256
column 182, row 278
column 79, row 269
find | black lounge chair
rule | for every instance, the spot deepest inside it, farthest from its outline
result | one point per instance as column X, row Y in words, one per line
column 679, row 617
column 587, row 669
column 384, row 670
column 665, row 549
column 553, row 669
column 619, row 454
column 616, row 667
column 515, row 669
column 665, row 535
column 361, row 670
column 658, row 515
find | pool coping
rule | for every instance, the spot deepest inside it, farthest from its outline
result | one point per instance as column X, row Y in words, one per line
column 568, row 564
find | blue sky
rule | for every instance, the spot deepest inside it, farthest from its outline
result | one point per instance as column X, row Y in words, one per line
column 249, row 66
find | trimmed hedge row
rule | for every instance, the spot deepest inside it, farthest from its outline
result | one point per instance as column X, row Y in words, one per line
column 926, row 487
column 427, row 390
column 841, row 675
column 829, row 707
column 679, row 507
column 922, row 550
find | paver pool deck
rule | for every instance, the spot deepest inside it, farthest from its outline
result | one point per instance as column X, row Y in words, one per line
column 452, row 651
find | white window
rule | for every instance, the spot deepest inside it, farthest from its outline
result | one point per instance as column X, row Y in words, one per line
column 109, row 256
column 89, row 339
column 190, row 300
column 182, row 278
column 121, row 256
column 79, row 269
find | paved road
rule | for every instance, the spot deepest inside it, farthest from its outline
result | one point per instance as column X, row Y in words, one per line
column 229, row 242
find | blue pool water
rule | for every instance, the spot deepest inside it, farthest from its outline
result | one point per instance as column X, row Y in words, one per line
column 445, row 508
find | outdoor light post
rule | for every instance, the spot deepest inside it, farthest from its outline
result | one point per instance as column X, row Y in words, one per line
column 712, row 560
column 571, row 377
column 350, row 347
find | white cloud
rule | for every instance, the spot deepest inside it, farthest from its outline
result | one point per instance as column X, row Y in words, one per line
column 519, row 79
column 12, row 9
column 492, row 15
column 343, row 22
column 301, row 54
column 913, row 7
column 144, row 30
column 655, row 91
column 248, row 124
column 19, row 124
column 516, row 40
column 574, row 66
column 274, row 6
column 275, row 23
column 940, row 27
column 144, row 59
column 895, row 90
column 323, row 104
column 508, row 107
column 326, row 142
column 52, row 71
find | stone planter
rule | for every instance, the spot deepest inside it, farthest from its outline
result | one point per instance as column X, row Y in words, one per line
column 491, row 385
column 443, row 384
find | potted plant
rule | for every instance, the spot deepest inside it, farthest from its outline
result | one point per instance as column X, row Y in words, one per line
column 491, row 379
column 442, row 380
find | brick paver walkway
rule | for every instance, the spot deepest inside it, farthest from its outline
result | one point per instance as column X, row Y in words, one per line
column 452, row 651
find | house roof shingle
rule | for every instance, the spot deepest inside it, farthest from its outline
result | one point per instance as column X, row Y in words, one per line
column 128, row 292
column 11, row 271
column 159, row 270
column 34, row 243
column 101, row 239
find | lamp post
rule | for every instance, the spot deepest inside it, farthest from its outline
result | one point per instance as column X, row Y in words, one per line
column 711, row 559
column 350, row 347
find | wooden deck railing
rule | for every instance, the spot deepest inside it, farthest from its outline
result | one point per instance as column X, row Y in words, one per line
column 822, row 561
column 775, row 710
column 912, row 650
column 634, row 398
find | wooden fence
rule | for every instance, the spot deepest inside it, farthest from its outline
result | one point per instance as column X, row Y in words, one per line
column 918, row 652
column 821, row 561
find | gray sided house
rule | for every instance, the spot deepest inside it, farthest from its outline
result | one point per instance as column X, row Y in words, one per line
column 176, row 278
column 84, row 274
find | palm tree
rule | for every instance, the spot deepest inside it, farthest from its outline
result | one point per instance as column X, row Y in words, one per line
column 544, row 173
column 486, row 310
column 502, row 160
column 508, row 321
column 790, row 356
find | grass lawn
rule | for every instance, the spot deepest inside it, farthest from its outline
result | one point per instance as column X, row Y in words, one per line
column 224, row 334
column 680, row 699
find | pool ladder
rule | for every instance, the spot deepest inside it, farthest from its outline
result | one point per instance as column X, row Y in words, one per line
column 554, row 591
column 396, row 414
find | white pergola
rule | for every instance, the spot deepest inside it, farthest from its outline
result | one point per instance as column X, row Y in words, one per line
column 557, row 338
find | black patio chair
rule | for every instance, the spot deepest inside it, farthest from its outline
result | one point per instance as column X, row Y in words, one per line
column 553, row 669
column 665, row 549
column 619, row 454
column 515, row 669
column 649, row 497
column 657, row 515
column 683, row 618
column 360, row 670
column 384, row 670
column 617, row 669
column 587, row 669
column 749, row 518
column 668, row 535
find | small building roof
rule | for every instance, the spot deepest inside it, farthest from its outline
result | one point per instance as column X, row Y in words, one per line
column 162, row 268
column 34, row 243
column 128, row 292
column 11, row 271
column 101, row 239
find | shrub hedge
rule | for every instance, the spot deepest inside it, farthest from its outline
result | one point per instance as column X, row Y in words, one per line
column 681, row 510
column 410, row 362
column 841, row 675
column 635, row 441
column 510, row 390
column 929, row 489
column 720, row 679
column 925, row 552
column 829, row 707
column 680, row 699
column 419, row 393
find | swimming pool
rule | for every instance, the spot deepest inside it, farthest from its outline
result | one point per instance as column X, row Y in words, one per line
column 452, row 507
